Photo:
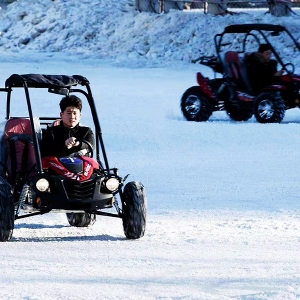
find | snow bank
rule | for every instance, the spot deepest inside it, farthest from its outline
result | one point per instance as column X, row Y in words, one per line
column 113, row 29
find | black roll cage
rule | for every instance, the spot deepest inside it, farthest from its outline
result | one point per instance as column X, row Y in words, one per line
column 60, row 84
column 253, row 30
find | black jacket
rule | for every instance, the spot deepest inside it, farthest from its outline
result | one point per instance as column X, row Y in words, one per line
column 261, row 73
column 54, row 137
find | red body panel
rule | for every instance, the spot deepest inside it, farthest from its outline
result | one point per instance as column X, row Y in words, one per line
column 206, row 89
column 291, row 78
column 53, row 163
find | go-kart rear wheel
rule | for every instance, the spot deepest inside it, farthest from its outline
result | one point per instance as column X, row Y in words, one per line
column 236, row 112
column 195, row 106
column 240, row 114
column 134, row 206
column 269, row 108
column 7, row 213
column 81, row 219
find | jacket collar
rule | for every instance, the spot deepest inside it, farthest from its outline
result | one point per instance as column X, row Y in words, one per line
column 74, row 129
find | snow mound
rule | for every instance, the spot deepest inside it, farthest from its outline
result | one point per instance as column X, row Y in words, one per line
column 115, row 30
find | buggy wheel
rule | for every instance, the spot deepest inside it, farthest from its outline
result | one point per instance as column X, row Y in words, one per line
column 7, row 213
column 236, row 112
column 81, row 219
column 195, row 106
column 269, row 108
column 134, row 206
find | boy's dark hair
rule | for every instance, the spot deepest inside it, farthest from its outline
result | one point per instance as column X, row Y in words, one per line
column 70, row 101
column 264, row 47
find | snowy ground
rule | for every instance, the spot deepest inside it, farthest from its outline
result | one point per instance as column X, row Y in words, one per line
column 223, row 202
column 223, row 196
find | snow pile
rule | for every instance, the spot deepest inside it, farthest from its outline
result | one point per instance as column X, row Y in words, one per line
column 113, row 29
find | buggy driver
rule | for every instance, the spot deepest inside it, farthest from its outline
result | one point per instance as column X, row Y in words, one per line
column 60, row 140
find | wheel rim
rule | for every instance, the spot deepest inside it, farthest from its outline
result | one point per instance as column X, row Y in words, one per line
column 192, row 105
column 266, row 109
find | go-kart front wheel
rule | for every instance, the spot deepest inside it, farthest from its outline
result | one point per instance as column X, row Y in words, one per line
column 134, row 206
column 7, row 213
column 195, row 106
column 81, row 219
column 269, row 108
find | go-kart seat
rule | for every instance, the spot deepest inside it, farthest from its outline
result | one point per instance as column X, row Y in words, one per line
column 18, row 147
column 246, row 62
column 235, row 71
column 55, row 123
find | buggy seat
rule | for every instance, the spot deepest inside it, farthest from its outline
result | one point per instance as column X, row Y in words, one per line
column 235, row 71
column 18, row 158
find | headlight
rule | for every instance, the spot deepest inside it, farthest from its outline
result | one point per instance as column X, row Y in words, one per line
column 42, row 185
column 112, row 184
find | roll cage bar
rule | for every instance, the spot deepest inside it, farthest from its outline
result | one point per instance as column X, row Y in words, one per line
column 253, row 30
column 58, row 84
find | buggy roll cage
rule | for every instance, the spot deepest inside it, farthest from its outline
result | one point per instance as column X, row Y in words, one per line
column 253, row 30
column 58, row 84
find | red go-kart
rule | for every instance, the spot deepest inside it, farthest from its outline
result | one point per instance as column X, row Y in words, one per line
column 80, row 186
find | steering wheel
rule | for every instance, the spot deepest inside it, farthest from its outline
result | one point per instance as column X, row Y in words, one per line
column 76, row 153
column 292, row 68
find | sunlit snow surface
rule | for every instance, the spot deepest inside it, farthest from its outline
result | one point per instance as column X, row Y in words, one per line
column 223, row 196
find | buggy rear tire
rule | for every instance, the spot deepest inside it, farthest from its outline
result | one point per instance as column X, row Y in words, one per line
column 134, row 206
column 81, row 219
column 7, row 213
column 269, row 108
column 236, row 112
column 240, row 114
column 195, row 106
